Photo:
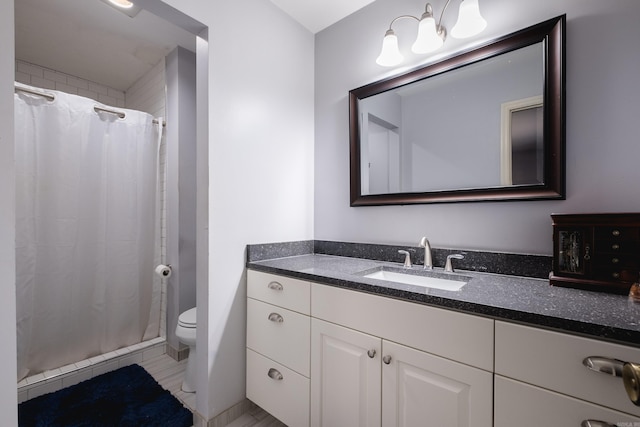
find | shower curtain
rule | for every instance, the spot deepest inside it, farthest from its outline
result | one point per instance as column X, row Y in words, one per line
column 87, row 230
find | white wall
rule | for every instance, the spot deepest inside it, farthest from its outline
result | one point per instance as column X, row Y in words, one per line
column 260, row 152
column 8, row 390
column 602, row 138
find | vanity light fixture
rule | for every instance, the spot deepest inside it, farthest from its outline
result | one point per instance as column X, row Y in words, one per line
column 431, row 35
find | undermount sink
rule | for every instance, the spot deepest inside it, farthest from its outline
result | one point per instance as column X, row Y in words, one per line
column 443, row 281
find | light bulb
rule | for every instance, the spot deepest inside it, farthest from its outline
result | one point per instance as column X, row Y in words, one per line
column 428, row 38
column 470, row 22
column 124, row 4
column 390, row 54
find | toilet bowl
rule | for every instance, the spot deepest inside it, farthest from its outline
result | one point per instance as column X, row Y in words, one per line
column 186, row 333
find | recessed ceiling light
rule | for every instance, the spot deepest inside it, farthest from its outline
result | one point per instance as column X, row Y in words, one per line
column 122, row 3
column 124, row 6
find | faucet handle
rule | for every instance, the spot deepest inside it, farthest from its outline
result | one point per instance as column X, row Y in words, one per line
column 448, row 267
column 407, row 258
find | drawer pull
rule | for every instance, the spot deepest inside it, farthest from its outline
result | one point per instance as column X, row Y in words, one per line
column 371, row 353
column 604, row 365
column 615, row 260
column 386, row 359
column 615, row 275
column 631, row 379
column 275, row 374
column 615, row 246
column 275, row 317
column 275, row 286
column 596, row 423
column 616, row 233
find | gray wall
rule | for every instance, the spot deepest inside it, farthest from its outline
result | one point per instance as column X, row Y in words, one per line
column 181, row 186
column 602, row 138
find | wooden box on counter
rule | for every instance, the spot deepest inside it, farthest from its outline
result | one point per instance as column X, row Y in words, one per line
column 597, row 252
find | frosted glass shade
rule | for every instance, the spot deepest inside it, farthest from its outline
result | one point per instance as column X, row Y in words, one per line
column 470, row 22
column 428, row 39
column 390, row 54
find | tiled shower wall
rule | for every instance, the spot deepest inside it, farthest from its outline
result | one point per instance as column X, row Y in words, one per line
column 147, row 94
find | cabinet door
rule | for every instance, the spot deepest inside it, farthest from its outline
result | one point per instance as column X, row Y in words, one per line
column 345, row 377
column 523, row 405
column 420, row 389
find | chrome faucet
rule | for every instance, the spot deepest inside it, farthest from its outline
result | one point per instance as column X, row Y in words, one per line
column 428, row 262
column 448, row 266
column 407, row 258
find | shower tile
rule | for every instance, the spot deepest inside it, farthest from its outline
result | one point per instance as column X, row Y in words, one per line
column 122, row 351
column 97, row 359
column 104, row 368
column 130, row 360
column 110, row 355
column 47, row 387
column 68, row 368
column 82, row 364
column 23, row 396
column 52, row 373
column 76, row 377
column 35, row 378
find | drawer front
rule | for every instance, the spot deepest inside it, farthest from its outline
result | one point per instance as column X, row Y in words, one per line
column 553, row 361
column 280, row 334
column 460, row 337
column 278, row 390
column 278, row 290
column 614, row 247
column 523, row 405
column 616, row 233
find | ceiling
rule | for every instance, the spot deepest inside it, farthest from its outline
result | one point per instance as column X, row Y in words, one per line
column 94, row 41
column 316, row 15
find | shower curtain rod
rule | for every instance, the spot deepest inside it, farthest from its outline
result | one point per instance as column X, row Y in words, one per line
column 97, row 108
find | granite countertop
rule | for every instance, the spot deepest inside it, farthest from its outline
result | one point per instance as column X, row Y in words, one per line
column 520, row 299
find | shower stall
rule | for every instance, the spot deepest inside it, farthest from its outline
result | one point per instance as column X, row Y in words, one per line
column 87, row 228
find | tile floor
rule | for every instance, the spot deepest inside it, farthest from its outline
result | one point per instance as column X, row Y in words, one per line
column 169, row 373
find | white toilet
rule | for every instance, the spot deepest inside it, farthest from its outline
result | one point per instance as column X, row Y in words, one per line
column 186, row 333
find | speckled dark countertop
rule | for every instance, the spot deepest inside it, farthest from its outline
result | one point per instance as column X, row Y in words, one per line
column 521, row 299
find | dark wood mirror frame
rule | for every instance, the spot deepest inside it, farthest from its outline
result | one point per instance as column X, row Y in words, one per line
column 552, row 34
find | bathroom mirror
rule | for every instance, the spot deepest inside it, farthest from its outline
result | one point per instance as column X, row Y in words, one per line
column 484, row 125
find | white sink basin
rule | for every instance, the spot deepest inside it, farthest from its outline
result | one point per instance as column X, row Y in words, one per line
column 424, row 281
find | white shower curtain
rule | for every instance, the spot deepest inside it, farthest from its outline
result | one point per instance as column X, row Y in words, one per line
column 87, row 230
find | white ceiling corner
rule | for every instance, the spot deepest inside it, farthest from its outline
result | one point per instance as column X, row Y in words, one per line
column 316, row 15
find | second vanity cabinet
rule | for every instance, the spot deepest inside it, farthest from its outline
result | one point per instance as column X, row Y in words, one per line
column 540, row 379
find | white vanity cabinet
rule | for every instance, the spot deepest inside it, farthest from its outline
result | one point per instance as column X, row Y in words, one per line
column 541, row 380
column 377, row 361
column 278, row 346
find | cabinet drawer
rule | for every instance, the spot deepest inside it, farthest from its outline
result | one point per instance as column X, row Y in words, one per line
column 286, row 397
column 460, row 337
column 278, row 290
column 280, row 334
column 617, row 233
column 553, row 360
column 523, row 405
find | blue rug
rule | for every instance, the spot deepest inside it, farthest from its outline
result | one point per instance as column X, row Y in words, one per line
column 127, row 397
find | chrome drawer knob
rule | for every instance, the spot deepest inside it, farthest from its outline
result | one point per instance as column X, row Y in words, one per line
column 275, row 317
column 615, row 260
column 386, row 359
column 615, row 275
column 275, row 286
column 616, row 233
column 371, row 353
column 615, row 246
column 275, row 374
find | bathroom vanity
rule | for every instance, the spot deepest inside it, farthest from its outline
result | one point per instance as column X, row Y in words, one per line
column 327, row 346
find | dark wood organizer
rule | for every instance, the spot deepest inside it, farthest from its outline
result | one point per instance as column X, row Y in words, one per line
column 596, row 252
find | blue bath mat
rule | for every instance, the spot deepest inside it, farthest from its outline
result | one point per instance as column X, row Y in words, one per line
column 127, row 397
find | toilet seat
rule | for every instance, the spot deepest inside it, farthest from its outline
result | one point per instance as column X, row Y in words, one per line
column 188, row 319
